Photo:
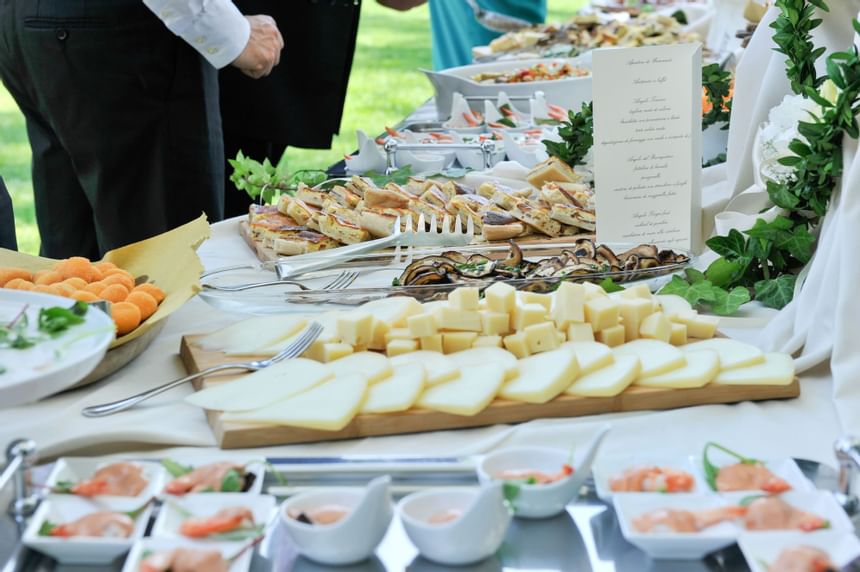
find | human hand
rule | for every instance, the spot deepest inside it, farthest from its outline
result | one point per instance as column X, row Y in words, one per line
column 263, row 50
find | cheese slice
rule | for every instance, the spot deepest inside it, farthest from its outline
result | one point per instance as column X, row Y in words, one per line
column 672, row 304
column 394, row 310
column 270, row 385
column 543, row 376
column 590, row 356
column 329, row 406
column 608, row 381
column 469, row 394
column 253, row 336
column 328, row 321
column 702, row 367
column 777, row 369
column 655, row 357
column 438, row 367
column 733, row 354
column 479, row 356
column 396, row 393
column 372, row 365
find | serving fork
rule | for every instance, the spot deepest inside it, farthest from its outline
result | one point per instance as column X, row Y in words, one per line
column 342, row 280
column 294, row 349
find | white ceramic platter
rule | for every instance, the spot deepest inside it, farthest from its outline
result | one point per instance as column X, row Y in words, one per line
column 77, row 469
column 608, row 468
column 785, row 469
column 177, row 509
column 761, row 550
column 819, row 503
column 146, row 546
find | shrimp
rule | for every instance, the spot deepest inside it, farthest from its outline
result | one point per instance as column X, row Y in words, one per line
column 119, row 479
column 750, row 477
column 224, row 520
column 206, row 477
column 685, row 521
column 803, row 559
column 185, row 560
column 653, row 479
column 102, row 524
column 773, row 513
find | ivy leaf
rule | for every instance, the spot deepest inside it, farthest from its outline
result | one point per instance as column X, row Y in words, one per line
column 723, row 272
column 609, row 286
column 777, row 292
column 727, row 303
column 677, row 286
column 694, row 276
column 731, row 246
column 798, row 244
column 701, row 292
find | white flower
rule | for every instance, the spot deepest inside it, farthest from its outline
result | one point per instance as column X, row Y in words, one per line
column 780, row 130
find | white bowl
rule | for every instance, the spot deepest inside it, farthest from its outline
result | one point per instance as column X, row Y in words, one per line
column 77, row 469
column 256, row 468
column 171, row 517
column 671, row 545
column 353, row 538
column 763, row 548
column 474, row 536
column 820, row 503
column 78, row 550
column 148, row 545
column 607, row 468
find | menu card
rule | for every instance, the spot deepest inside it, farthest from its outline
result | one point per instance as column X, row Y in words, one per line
column 647, row 145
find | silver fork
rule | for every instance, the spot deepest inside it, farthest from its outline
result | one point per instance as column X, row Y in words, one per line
column 342, row 280
column 294, row 349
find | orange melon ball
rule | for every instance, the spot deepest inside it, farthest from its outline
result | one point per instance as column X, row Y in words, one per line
column 7, row 274
column 46, row 289
column 126, row 316
column 104, row 266
column 19, row 284
column 63, row 289
column 152, row 290
column 144, row 301
column 84, row 296
column 48, row 278
column 119, row 279
column 114, row 293
column 78, row 266
column 76, row 283
column 96, row 287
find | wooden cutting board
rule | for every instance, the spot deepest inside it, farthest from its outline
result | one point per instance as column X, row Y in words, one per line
column 231, row 435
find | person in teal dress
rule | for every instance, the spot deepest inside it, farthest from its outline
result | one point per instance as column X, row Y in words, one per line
column 456, row 31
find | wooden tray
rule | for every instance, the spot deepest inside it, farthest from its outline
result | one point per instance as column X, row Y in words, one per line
column 238, row 435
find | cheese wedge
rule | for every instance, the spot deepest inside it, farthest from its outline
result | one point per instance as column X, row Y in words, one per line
column 469, row 394
column 655, row 357
column 394, row 310
column 590, row 356
column 672, row 304
column 542, row 377
column 580, row 333
column 702, row 367
column 270, row 385
column 608, row 381
column 252, row 336
column 328, row 321
column 439, row 367
column 479, row 356
column 326, row 352
column 355, row 328
column 777, row 369
column 373, row 366
column 329, row 406
column 733, row 354
column 698, row 326
column 396, row 393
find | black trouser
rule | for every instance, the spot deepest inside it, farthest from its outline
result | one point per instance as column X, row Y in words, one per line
column 8, row 238
column 122, row 117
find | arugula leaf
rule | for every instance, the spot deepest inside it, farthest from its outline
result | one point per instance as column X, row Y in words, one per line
column 609, row 286
column 712, row 471
column 511, row 491
column 776, row 293
column 680, row 17
column 398, row 176
column 239, row 534
column 47, row 528
column 175, row 469
column 232, row 482
column 63, row 487
column 54, row 321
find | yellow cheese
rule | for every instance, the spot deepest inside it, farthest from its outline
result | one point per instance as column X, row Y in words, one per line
column 698, row 326
column 601, row 313
column 326, row 352
column 396, row 393
column 562, row 337
column 733, row 353
column 678, row 334
column 633, row 311
column 593, row 291
column 776, row 369
column 541, row 337
column 517, row 344
column 439, row 367
column 487, row 342
column 568, row 305
column 394, row 310
column 465, row 298
column 329, row 406
column 544, row 300
column 637, row 291
column 421, row 325
column 432, row 343
column 457, row 341
column 397, row 347
column 495, row 323
column 655, row 357
column 501, row 297
column 373, row 366
column 591, row 356
column 398, row 334
column 377, row 334
column 672, row 304
column 542, row 377
column 429, row 307
column 608, row 381
column 656, row 327
column 274, row 383
column 580, row 333
column 251, row 336
column 355, row 328
column 526, row 315
column 612, row 337
column 458, row 320
column 480, row 356
column 702, row 367
column 468, row 394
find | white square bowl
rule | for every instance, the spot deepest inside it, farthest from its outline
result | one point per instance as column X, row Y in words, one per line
column 673, row 545
column 171, row 517
column 607, row 468
column 820, row 503
column 762, row 549
column 78, row 550
column 256, row 468
column 785, row 469
column 77, row 469
column 145, row 546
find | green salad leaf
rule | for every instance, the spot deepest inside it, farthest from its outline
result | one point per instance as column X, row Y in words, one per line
column 712, row 471
column 175, row 469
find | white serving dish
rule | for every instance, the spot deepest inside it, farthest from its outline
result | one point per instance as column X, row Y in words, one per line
column 77, row 469
column 820, row 503
column 78, row 550
column 607, row 468
column 171, row 517
column 148, row 545
column 353, row 538
column 763, row 548
column 783, row 468
column 256, row 468
column 474, row 536
column 55, row 364
column 671, row 545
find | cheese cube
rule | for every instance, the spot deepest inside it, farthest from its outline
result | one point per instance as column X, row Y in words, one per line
column 638, row 291
column 457, row 341
column 568, row 305
column 698, row 326
column 355, row 328
column 682, row 316
column 544, row 300
column 377, row 336
column 527, row 314
column 580, row 333
column 458, row 320
column 517, row 345
column 421, row 325
column 495, row 323
column 432, row 343
column 601, row 313
column 464, row 298
column 487, row 342
column 672, row 304
column 501, row 297
column 612, row 337
column 541, row 337
column 561, row 337
column 677, row 334
column 593, row 291
column 656, row 327
column 633, row 311
column 326, row 352
column 482, row 304
column 398, row 334
column 397, row 347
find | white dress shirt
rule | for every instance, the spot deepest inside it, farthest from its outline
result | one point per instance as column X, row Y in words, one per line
column 215, row 28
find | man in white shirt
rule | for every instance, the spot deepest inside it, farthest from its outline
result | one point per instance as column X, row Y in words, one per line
column 121, row 103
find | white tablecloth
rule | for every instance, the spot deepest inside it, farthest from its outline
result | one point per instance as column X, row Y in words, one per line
column 804, row 427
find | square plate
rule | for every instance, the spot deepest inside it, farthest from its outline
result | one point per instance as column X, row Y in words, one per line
column 174, row 511
column 256, row 468
column 77, row 469
column 147, row 545
column 607, row 468
column 783, row 468
column 763, row 548
column 820, row 503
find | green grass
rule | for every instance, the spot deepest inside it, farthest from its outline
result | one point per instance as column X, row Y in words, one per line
column 384, row 87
